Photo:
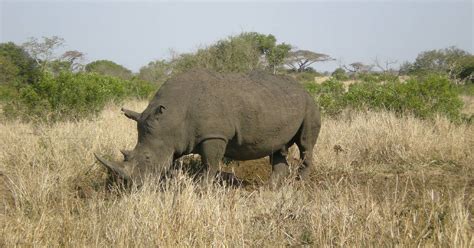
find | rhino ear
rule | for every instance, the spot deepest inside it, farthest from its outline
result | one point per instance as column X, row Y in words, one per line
column 126, row 154
column 159, row 110
column 131, row 114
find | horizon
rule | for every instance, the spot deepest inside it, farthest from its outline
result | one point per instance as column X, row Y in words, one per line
column 134, row 34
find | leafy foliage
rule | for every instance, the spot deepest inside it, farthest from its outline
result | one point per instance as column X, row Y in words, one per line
column 465, row 68
column 340, row 74
column 329, row 95
column 425, row 97
column 8, row 71
column 156, row 71
column 73, row 96
column 242, row 53
column 17, row 65
column 306, row 76
column 109, row 68
column 452, row 61
column 299, row 60
column 43, row 52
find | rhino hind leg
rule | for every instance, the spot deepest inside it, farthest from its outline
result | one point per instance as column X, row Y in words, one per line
column 212, row 151
column 280, row 168
column 306, row 140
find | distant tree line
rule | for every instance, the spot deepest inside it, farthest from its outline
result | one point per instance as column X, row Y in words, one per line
column 452, row 62
column 37, row 79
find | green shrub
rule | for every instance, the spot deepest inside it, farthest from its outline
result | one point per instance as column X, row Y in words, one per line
column 329, row 95
column 340, row 74
column 306, row 76
column 428, row 96
column 423, row 97
column 466, row 89
column 368, row 94
column 73, row 96
column 8, row 92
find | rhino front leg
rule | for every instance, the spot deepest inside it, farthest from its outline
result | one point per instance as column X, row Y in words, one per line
column 212, row 151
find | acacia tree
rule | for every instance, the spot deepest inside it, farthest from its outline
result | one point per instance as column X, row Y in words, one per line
column 43, row 51
column 385, row 67
column 358, row 67
column 70, row 61
column 74, row 59
column 300, row 60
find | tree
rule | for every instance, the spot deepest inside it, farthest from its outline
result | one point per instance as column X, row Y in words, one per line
column 156, row 71
column 447, row 61
column 465, row 67
column 244, row 52
column 43, row 51
column 70, row 61
column 74, row 58
column 299, row 60
column 358, row 67
column 8, row 71
column 276, row 56
column 340, row 74
column 18, row 64
column 405, row 68
column 386, row 67
column 109, row 68
column 273, row 54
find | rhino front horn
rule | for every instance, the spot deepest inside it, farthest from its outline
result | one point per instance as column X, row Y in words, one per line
column 113, row 167
column 131, row 114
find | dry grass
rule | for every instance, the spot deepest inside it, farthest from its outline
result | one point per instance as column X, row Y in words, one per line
column 379, row 180
column 468, row 104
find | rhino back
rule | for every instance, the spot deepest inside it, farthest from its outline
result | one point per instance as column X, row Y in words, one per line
column 256, row 113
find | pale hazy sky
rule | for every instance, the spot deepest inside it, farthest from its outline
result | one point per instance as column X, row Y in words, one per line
column 135, row 33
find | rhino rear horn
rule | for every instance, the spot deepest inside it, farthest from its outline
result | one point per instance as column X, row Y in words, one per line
column 113, row 167
column 131, row 114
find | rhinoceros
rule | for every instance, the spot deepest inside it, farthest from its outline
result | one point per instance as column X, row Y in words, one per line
column 238, row 116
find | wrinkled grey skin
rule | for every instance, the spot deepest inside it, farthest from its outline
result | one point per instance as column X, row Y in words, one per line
column 238, row 116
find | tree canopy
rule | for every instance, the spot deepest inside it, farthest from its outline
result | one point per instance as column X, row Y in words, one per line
column 241, row 53
column 43, row 51
column 156, row 71
column 299, row 60
column 17, row 64
column 109, row 68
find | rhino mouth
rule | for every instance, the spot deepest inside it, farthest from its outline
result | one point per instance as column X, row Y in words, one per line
column 112, row 166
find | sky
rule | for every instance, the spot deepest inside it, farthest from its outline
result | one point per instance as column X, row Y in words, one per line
column 134, row 33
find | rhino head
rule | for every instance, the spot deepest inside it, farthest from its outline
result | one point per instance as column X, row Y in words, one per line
column 150, row 157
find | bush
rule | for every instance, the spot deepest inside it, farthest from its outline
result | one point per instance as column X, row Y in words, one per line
column 428, row 96
column 423, row 97
column 242, row 53
column 73, row 96
column 306, row 76
column 17, row 65
column 329, row 95
column 109, row 68
column 340, row 74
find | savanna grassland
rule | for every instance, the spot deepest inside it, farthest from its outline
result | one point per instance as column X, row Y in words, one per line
column 380, row 180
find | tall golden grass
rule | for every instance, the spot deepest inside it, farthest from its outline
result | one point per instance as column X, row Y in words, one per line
column 379, row 180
